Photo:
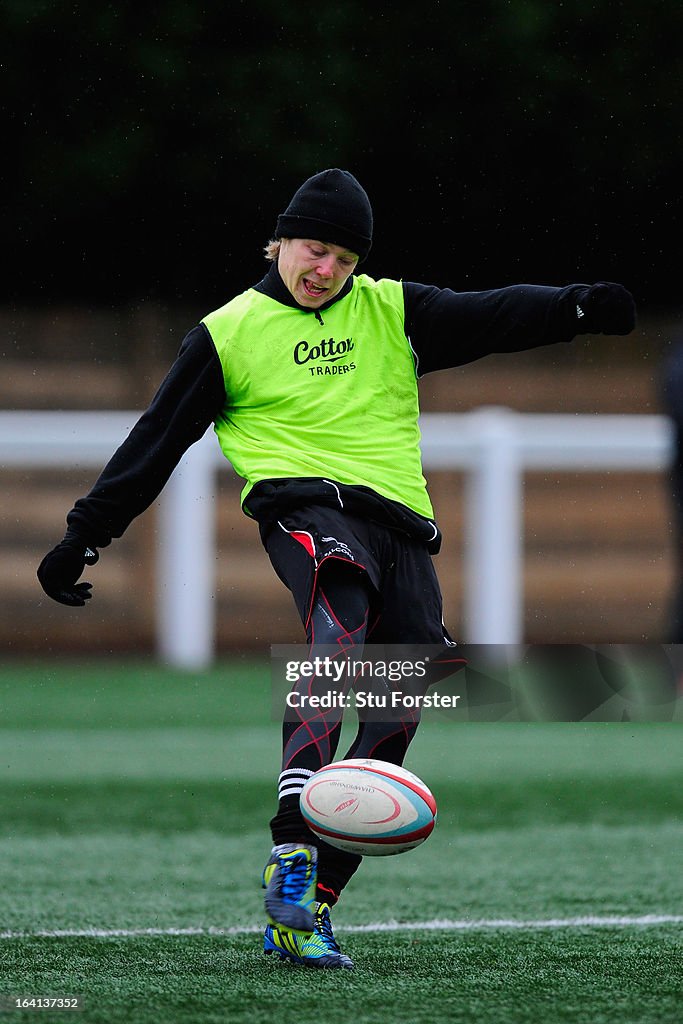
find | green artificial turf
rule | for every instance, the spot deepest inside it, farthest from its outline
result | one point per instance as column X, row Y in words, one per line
column 136, row 800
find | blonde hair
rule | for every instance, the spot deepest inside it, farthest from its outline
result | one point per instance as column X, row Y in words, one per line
column 272, row 249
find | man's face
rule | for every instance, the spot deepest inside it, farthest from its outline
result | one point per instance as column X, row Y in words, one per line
column 314, row 271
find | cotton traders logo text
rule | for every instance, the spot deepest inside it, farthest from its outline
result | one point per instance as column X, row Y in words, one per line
column 327, row 352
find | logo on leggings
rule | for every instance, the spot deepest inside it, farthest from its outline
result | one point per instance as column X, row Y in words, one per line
column 340, row 548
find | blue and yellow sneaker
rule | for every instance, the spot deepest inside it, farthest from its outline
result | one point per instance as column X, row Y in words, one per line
column 320, row 950
column 289, row 879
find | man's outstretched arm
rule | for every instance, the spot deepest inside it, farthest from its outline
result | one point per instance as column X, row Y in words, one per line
column 448, row 328
column 187, row 402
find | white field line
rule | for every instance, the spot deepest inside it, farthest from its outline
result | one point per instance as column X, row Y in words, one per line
column 436, row 925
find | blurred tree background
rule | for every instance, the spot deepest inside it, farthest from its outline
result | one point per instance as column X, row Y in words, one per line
column 150, row 147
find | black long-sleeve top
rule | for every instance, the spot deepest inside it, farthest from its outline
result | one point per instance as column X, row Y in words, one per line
column 445, row 329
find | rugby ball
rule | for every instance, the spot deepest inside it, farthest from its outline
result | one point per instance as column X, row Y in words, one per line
column 369, row 807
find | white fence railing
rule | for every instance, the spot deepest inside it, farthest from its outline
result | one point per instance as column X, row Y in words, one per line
column 494, row 446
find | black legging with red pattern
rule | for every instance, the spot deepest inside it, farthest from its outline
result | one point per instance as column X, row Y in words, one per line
column 338, row 625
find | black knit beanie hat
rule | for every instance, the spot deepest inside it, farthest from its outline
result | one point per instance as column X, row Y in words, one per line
column 330, row 207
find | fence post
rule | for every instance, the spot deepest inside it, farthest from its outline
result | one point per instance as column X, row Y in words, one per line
column 186, row 554
column 494, row 533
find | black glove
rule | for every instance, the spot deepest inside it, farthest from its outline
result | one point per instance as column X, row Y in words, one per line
column 604, row 308
column 61, row 568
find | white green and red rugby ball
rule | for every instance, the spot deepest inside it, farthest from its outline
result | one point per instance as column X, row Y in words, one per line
column 369, row 807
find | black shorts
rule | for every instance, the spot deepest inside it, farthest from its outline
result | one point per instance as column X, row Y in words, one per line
column 406, row 606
